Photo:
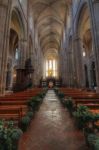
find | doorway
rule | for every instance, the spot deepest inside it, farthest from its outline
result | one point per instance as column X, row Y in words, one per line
column 86, row 76
column 93, row 75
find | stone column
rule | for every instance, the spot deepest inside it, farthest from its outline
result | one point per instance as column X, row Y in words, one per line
column 5, row 14
column 9, row 74
column 36, row 70
column 78, row 63
column 61, row 66
column 70, row 68
column 64, row 67
column 44, row 68
column 67, row 68
column 94, row 16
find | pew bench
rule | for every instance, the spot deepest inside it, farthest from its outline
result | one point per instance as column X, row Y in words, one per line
column 13, row 112
column 13, row 102
column 86, row 102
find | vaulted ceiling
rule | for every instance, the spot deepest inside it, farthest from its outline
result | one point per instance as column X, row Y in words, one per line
column 50, row 17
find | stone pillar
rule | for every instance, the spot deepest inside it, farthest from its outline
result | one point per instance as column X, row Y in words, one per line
column 9, row 74
column 94, row 16
column 61, row 66
column 36, row 71
column 64, row 68
column 33, row 64
column 67, row 68
column 75, row 61
column 5, row 14
column 44, row 68
column 78, row 63
column 70, row 68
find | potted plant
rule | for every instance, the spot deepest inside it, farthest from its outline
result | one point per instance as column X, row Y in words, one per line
column 96, row 144
column 83, row 116
column 30, row 114
column 69, row 104
column 41, row 95
column 2, row 136
column 25, row 122
column 56, row 90
column 15, row 136
column 7, row 136
column 35, row 102
column 92, row 138
column 31, row 104
column 61, row 95
column 88, row 130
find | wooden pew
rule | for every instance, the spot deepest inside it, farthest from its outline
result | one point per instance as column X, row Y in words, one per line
column 83, row 97
column 86, row 102
column 13, row 112
column 14, row 106
column 13, row 102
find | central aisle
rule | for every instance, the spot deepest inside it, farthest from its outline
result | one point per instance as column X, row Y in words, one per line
column 52, row 129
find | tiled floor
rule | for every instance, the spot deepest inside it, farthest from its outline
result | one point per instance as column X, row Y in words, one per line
column 52, row 129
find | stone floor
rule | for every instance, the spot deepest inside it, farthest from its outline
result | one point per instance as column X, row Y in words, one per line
column 52, row 129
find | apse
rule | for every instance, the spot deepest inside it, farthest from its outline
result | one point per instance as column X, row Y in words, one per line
column 51, row 61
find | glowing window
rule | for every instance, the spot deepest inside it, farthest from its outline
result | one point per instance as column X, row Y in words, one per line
column 17, row 54
column 51, row 68
column 46, row 65
column 50, row 64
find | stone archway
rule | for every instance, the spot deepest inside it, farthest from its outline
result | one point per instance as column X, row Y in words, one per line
column 15, row 52
column 13, row 58
column 87, row 42
column 84, row 43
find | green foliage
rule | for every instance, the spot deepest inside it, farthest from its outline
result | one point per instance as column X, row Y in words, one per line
column 34, row 98
column 9, row 135
column 25, row 122
column 30, row 114
column 34, row 104
column 96, row 117
column 69, row 103
column 31, row 104
column 16, row 133
column 41, row 95
column 61, row 95
column 93, row 141
column 83, row 116
column 35, row 101
column 56, row 90
column 96, row 144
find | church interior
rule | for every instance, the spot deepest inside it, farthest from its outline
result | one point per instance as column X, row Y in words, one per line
column 49, row 75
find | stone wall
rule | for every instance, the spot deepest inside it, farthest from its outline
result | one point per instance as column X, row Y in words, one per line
column 83, row 29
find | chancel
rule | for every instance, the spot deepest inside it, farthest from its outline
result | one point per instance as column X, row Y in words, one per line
column 49, row 68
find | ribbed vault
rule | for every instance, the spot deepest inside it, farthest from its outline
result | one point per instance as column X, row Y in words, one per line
column 49, row 17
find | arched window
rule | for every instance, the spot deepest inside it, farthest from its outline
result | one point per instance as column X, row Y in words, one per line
column 17, row 54
column 51, row 68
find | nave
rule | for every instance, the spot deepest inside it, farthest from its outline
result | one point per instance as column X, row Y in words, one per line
column 52, row 129
column 48, row 44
